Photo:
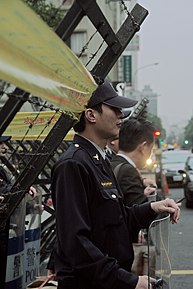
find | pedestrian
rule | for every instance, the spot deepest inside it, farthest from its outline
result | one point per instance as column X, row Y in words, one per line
column 15, row 225
column 93, row 228
column 136, row 141
column 6, row 184
column 5, row 180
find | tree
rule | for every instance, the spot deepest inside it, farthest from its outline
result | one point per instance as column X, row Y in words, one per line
column 157, row 124
column 188, row 134
column 47, row 11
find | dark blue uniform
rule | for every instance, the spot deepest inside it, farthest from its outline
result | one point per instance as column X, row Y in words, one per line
column 5, row 182
column 94, row 229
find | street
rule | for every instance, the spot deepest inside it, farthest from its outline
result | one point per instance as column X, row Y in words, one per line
column 181, row 246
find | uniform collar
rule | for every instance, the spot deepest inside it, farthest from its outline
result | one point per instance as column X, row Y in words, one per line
column 94, row 150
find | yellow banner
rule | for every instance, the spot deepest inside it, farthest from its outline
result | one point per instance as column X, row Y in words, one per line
column 35, row 59
column 33, row 125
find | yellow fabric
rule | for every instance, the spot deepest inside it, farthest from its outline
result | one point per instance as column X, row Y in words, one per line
column 38, row 123
column 35, row 59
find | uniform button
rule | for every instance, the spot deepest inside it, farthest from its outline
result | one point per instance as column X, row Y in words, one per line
column 76, row 145
column 113, row 196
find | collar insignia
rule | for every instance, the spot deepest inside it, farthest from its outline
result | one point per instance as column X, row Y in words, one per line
column 96, row 157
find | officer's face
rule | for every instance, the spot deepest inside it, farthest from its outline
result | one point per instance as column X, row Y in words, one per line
column 109, row 121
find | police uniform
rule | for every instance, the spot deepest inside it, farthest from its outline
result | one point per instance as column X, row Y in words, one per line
column 5, row 182
column 94, row 229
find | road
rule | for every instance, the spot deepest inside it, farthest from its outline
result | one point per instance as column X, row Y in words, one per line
column 181, row 247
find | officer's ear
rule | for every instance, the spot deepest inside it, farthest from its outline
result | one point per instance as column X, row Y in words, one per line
column 90, row 115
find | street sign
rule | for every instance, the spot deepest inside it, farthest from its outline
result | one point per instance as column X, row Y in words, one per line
column 127, row 69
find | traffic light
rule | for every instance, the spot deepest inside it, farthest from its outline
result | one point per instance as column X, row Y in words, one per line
column 161, row 142
column 157, row 133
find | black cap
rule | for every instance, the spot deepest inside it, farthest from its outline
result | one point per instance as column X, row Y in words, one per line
column 105, row 93
column 4, row 138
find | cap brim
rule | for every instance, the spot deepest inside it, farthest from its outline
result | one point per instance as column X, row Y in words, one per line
column 4, row 138
column 121, row 102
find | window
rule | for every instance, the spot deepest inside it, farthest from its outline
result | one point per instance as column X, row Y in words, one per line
column 77, row 41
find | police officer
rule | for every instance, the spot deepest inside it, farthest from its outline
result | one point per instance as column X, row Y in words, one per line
column 5, row 182
column 94, row 229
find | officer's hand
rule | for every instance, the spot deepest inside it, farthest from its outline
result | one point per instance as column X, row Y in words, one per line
column 168, row 206
column 51, row 274
column 32, row 192
column 143, row 282
column 3, row 149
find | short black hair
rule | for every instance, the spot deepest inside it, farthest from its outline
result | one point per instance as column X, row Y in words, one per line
column 81, row 124
column 133, row 132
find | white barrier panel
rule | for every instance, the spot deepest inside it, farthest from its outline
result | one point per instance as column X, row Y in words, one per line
column 31, row 255
column 32, row 240
column 15, row 260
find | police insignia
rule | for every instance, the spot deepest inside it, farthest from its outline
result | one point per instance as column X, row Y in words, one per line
column 106, row 184
column 96, row 157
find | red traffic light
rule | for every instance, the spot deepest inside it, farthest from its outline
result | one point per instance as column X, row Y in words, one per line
column 157, row 133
